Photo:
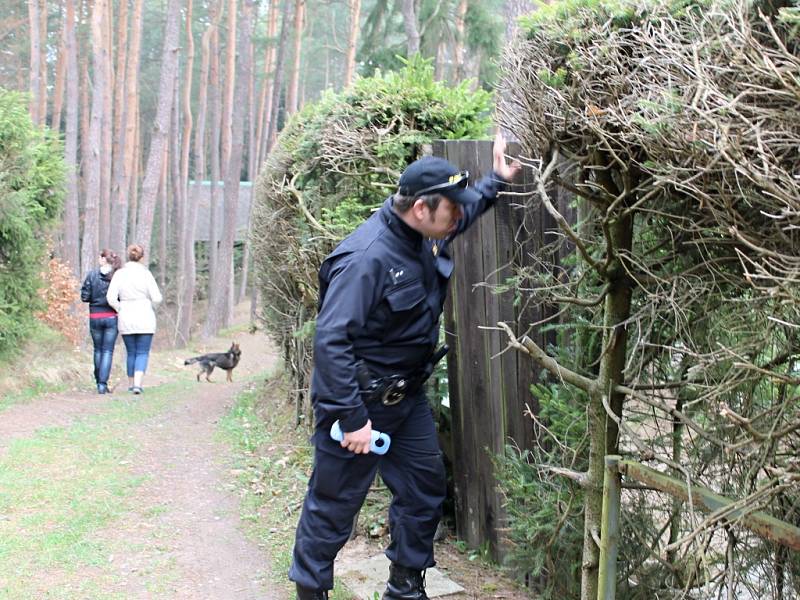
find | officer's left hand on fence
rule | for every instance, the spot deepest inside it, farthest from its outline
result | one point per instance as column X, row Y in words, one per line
column 500, row 165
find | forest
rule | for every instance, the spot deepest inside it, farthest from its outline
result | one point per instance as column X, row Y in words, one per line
column 149, row 97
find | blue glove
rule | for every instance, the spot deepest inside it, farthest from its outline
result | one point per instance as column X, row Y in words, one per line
column 379, row 444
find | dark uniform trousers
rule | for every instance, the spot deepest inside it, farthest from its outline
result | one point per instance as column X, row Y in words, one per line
column 412, row 469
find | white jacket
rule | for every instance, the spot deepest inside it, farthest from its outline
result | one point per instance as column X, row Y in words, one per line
column 134, row 294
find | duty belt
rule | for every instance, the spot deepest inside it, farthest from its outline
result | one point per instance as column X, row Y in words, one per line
column 392, row 389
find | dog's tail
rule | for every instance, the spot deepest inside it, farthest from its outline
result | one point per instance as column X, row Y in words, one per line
column 190, row 361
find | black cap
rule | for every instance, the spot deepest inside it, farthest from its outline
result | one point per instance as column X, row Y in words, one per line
column 432, row 174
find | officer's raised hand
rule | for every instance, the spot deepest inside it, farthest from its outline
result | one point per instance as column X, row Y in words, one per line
column 500, row 166
column 358, row 441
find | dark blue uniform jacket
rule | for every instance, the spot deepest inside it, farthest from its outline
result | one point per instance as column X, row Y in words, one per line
column 382, row 291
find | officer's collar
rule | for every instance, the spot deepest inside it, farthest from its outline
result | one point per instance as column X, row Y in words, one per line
column 398, row 226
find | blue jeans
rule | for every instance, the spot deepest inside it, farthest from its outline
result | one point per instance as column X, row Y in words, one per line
column 104, row 336
column 137, row 346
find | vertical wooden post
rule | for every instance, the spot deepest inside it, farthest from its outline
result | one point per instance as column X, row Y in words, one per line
column 489, row 390
column 609, row 533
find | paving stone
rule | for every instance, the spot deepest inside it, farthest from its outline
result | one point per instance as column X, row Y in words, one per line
column 367, row 578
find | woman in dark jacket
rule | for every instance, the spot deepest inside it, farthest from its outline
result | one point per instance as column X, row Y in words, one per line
column 102, row 318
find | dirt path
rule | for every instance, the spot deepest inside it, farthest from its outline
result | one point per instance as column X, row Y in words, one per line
column 51, row 410
column 197, row 515
column 175, row 531
column 181, row 535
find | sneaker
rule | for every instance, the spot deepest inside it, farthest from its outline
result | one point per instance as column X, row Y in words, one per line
column 137, row 390
column 130, row 389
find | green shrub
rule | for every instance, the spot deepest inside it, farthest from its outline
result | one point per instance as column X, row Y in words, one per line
column 31, row 191
column 545, row 509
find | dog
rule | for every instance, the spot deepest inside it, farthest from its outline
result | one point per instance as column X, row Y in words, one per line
column 224, row 360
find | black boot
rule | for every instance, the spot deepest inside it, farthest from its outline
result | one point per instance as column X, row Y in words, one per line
column 304, row 593
column 405, row 584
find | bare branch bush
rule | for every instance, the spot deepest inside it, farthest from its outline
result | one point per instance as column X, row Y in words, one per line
column 678, row 130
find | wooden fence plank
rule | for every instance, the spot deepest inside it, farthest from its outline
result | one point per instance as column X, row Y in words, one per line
column 467, row 248
column 493, row 432
column 488, row 396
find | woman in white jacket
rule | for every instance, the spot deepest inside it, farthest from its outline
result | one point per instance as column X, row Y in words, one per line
column 134, row 294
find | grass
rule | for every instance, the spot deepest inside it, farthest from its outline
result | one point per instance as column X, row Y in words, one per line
column 59, row 489
column 46, row 362
column 272, row 469
column 232, row 332
column 33, row 388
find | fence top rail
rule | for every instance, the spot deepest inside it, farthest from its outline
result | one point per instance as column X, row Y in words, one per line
column 722, row 509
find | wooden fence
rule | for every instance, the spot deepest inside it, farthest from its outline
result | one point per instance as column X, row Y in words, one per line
column 489, row 389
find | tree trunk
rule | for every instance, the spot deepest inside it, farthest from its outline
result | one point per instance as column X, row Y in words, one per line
column 83, row 137
column 327, row 78
column 163, row 209
column 216, row 118
column 512, row 10
column 251, row 168
column 187, row 300
column 242, row 293
column 230, row 79
column 127, row 136
column 604, row 433
column 108, row 135
column 71, row 239
column 277, row 84
column 352, row 42
column 439, row 73
column 118, row 129
column 678, row 431
column 136, row 174
column 177, row 197
column 36, row 60
column 43, row 63
column 60, row 73
column 251, row 118
column 459, row 56
column 265, row 103
column 218, row 312
column 185, row 232
column 294, row 75
column 89, row 245
column 120, row 79
column 144, row 224
column 411, row 27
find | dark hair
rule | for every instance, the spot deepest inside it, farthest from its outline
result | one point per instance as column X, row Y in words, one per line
column 135, row 252
column 403, row 203
column 112, row 258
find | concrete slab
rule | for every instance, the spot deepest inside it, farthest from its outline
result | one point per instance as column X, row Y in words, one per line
column 366, row 578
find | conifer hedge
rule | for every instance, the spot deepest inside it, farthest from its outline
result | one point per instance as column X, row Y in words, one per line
column 32, row 176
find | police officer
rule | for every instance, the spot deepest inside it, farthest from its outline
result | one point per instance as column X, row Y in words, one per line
column 382, row 291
